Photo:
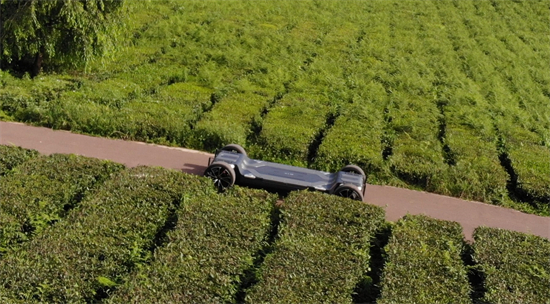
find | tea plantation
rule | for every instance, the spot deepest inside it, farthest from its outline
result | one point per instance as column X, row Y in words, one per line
column 449, row 96
column 82, row 230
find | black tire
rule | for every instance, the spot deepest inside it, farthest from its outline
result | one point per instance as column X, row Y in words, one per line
column 234, row 148
column 355, row 169
column 349, row 191
column 222, row 174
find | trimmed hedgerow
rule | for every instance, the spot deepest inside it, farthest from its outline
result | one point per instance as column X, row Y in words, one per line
column 515, row 265
column 420, row 50
column 528, row 160
column 230, row 121
column 423, row 263
column 22, row 98
column 81, row 258
column 291, row 126
column 470, row 144
column 477, row 174
column 357, row 135
column 213, row 244
column 322, row 252
column 11, row 156
column 417, row 156
column 164, row 117
column 42, row 191
column 531, row 163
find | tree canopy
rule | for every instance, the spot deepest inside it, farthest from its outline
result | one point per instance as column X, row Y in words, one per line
column 57, row 33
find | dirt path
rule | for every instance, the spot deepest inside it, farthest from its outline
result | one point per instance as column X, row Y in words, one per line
column 396, row 201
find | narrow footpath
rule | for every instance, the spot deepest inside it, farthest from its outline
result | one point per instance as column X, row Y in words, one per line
column 397, row 201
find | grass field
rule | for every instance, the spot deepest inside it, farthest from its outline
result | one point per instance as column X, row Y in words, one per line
column 451, row 97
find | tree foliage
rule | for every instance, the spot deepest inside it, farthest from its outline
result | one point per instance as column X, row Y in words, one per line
column 57, row 33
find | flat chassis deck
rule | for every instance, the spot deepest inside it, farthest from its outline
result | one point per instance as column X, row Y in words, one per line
column 260, row 173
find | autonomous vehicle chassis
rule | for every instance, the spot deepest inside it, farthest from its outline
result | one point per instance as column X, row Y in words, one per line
column 231, row 166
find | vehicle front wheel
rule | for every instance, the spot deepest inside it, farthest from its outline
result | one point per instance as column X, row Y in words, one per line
column 234, row 148
column 349, row 191
column 222, row 174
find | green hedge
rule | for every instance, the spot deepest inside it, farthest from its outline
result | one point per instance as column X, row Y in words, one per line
column 357, row 136
column 514, row 99
column 164, row 117
column 291, row 126
column 423, row 263
column 414, row 54
column 526, row 87
column 477, row 174
column 115, row 107
column 531, row 163
column 417, row 154
column 413, row 116
column 12, row 156
column 42, row 190
column 516, row 266
column 81, row 258
column 529, row 160
column 21, row 98
column 113, row 92
column 322, row 250
column 214, row 243
column 229, row 122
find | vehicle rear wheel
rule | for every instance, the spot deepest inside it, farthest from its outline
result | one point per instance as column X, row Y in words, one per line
column 349, row 191
column 222, row 174
column 234, row 148
column 354, row 169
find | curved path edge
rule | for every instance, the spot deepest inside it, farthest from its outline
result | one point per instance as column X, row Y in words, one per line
column 396, row 201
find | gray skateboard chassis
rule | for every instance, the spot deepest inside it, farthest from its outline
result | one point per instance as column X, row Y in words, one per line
column 231, row 166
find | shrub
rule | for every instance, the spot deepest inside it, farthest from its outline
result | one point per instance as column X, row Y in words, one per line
column 417, row 154
column 230, row 121
column 423, row 263
column 515, row 266
column 112, row 92
column 21, row 98
column 215, row 241
column 291, row 126
column 81, row 258
column 42, row 191
column 529, row 161
column 493, row 52
column 477, row 174
column 322, row 250
column 471, row 147
column 12, row 156
column 163, row 118
column 531, row 164
column 357, row 136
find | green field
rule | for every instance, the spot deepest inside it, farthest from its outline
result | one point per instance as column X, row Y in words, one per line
column 451, row 97
column 83, row 230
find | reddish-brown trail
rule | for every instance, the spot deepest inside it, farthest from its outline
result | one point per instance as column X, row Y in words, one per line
column 396, row 201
